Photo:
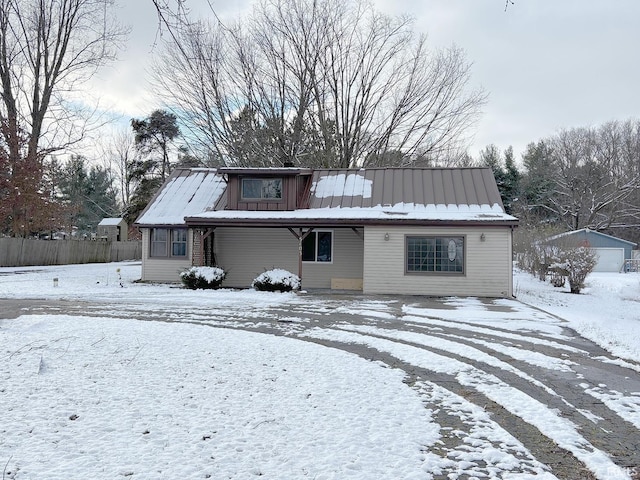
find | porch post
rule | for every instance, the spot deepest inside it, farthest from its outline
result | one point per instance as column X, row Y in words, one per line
column 201, row 235
column 300, row 257
column 300, row 236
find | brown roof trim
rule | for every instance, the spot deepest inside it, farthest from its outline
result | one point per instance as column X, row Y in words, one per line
column 340, row 222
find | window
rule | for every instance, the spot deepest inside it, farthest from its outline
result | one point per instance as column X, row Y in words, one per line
column 261, row 188
column 318, row 247
column 167, row 242
column 159, row 242
column 179, row 243
column 435, row 254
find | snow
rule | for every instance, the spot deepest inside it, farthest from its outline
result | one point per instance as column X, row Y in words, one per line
column 404, row 211
column 351, row 185
column 98, row 394
column 607, row 311
column 210, row 274
column 110, row 222
column 278, row 276
column 182, row 196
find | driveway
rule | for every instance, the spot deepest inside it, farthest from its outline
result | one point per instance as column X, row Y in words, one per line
column 537, row 379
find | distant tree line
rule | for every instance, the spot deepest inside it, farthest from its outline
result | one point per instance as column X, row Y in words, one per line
column 587, row 177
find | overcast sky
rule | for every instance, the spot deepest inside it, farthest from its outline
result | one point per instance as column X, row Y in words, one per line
column 546, row 64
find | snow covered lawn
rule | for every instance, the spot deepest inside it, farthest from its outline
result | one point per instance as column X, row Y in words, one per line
column 606, row 312
column 97, row 394
column 116, row 398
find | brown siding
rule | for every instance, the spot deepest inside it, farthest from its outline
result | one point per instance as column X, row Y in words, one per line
column 288, row 202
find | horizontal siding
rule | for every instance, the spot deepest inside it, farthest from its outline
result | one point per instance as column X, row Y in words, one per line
column 245, row 253
column 488, row 271
column 163, row 269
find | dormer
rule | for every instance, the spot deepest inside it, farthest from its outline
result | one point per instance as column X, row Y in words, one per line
column 265, row 188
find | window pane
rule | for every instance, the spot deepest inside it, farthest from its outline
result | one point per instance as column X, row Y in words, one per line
column 324, row 247
column 159, row 234
column 262, row 188
column 251, row 188
column 272, row 188
column 179, row 243
column 158, row 246
column 179, row 249
column 309, row 248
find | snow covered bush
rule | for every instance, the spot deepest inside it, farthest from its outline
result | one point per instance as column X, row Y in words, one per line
column 202, row 277
column 275, row 280
column 574, row 264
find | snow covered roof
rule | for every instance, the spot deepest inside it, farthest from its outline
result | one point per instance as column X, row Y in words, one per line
column 398, row 213
column 110, row 222
column 338, row 196
column 188, row 191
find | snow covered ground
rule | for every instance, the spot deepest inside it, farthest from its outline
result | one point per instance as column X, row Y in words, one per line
column 606, row 312
column 107, row 396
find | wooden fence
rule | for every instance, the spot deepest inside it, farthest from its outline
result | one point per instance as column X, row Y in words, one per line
column 18, row 252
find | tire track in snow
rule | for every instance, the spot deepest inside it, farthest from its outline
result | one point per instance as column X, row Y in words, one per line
column 324, row 312
column 598, row 422
column 560, row 430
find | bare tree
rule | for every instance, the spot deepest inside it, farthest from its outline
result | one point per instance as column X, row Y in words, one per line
column 48, row 49
column 119, row 158
column 593, row 185
column 307, row 82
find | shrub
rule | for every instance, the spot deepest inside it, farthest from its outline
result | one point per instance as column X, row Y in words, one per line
column 276, row 280
column 574, row 264
column 203, row 277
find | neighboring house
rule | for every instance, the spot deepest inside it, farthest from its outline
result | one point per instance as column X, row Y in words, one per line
column 426, row 231
column 113, row 229
column 611, row 252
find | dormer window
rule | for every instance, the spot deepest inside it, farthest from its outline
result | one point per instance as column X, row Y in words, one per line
column 261, row 189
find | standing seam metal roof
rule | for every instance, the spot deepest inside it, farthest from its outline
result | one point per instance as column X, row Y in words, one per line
column 391, row 186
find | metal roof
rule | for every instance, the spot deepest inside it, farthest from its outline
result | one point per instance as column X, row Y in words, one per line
column 585, row 233
column 339, row 196
column 408, row 186
column 187, row 191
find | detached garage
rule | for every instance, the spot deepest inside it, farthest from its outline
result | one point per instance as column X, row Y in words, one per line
column 611, row 251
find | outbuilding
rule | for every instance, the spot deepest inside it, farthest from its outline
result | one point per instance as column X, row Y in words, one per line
column 611, row 252
column 113, row 229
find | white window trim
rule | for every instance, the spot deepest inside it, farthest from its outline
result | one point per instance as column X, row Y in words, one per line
column 333, row 236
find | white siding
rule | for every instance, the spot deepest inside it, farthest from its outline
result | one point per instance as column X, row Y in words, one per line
column 245, row 253
column 163, row 269
column 488, row 266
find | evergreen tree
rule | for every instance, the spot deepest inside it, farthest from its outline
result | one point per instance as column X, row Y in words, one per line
column 505, row 172
column 538, row 182
column 87, row 196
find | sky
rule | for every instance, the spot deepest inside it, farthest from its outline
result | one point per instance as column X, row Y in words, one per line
column 547, row 65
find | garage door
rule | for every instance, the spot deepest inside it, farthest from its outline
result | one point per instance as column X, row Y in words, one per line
column 609, row 259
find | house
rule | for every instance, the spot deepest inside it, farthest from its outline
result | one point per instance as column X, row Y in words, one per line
column 113, row 229
column 425, row 231
column 611, row 252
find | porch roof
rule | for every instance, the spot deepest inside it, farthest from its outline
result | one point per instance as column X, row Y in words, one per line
column 405, row 214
